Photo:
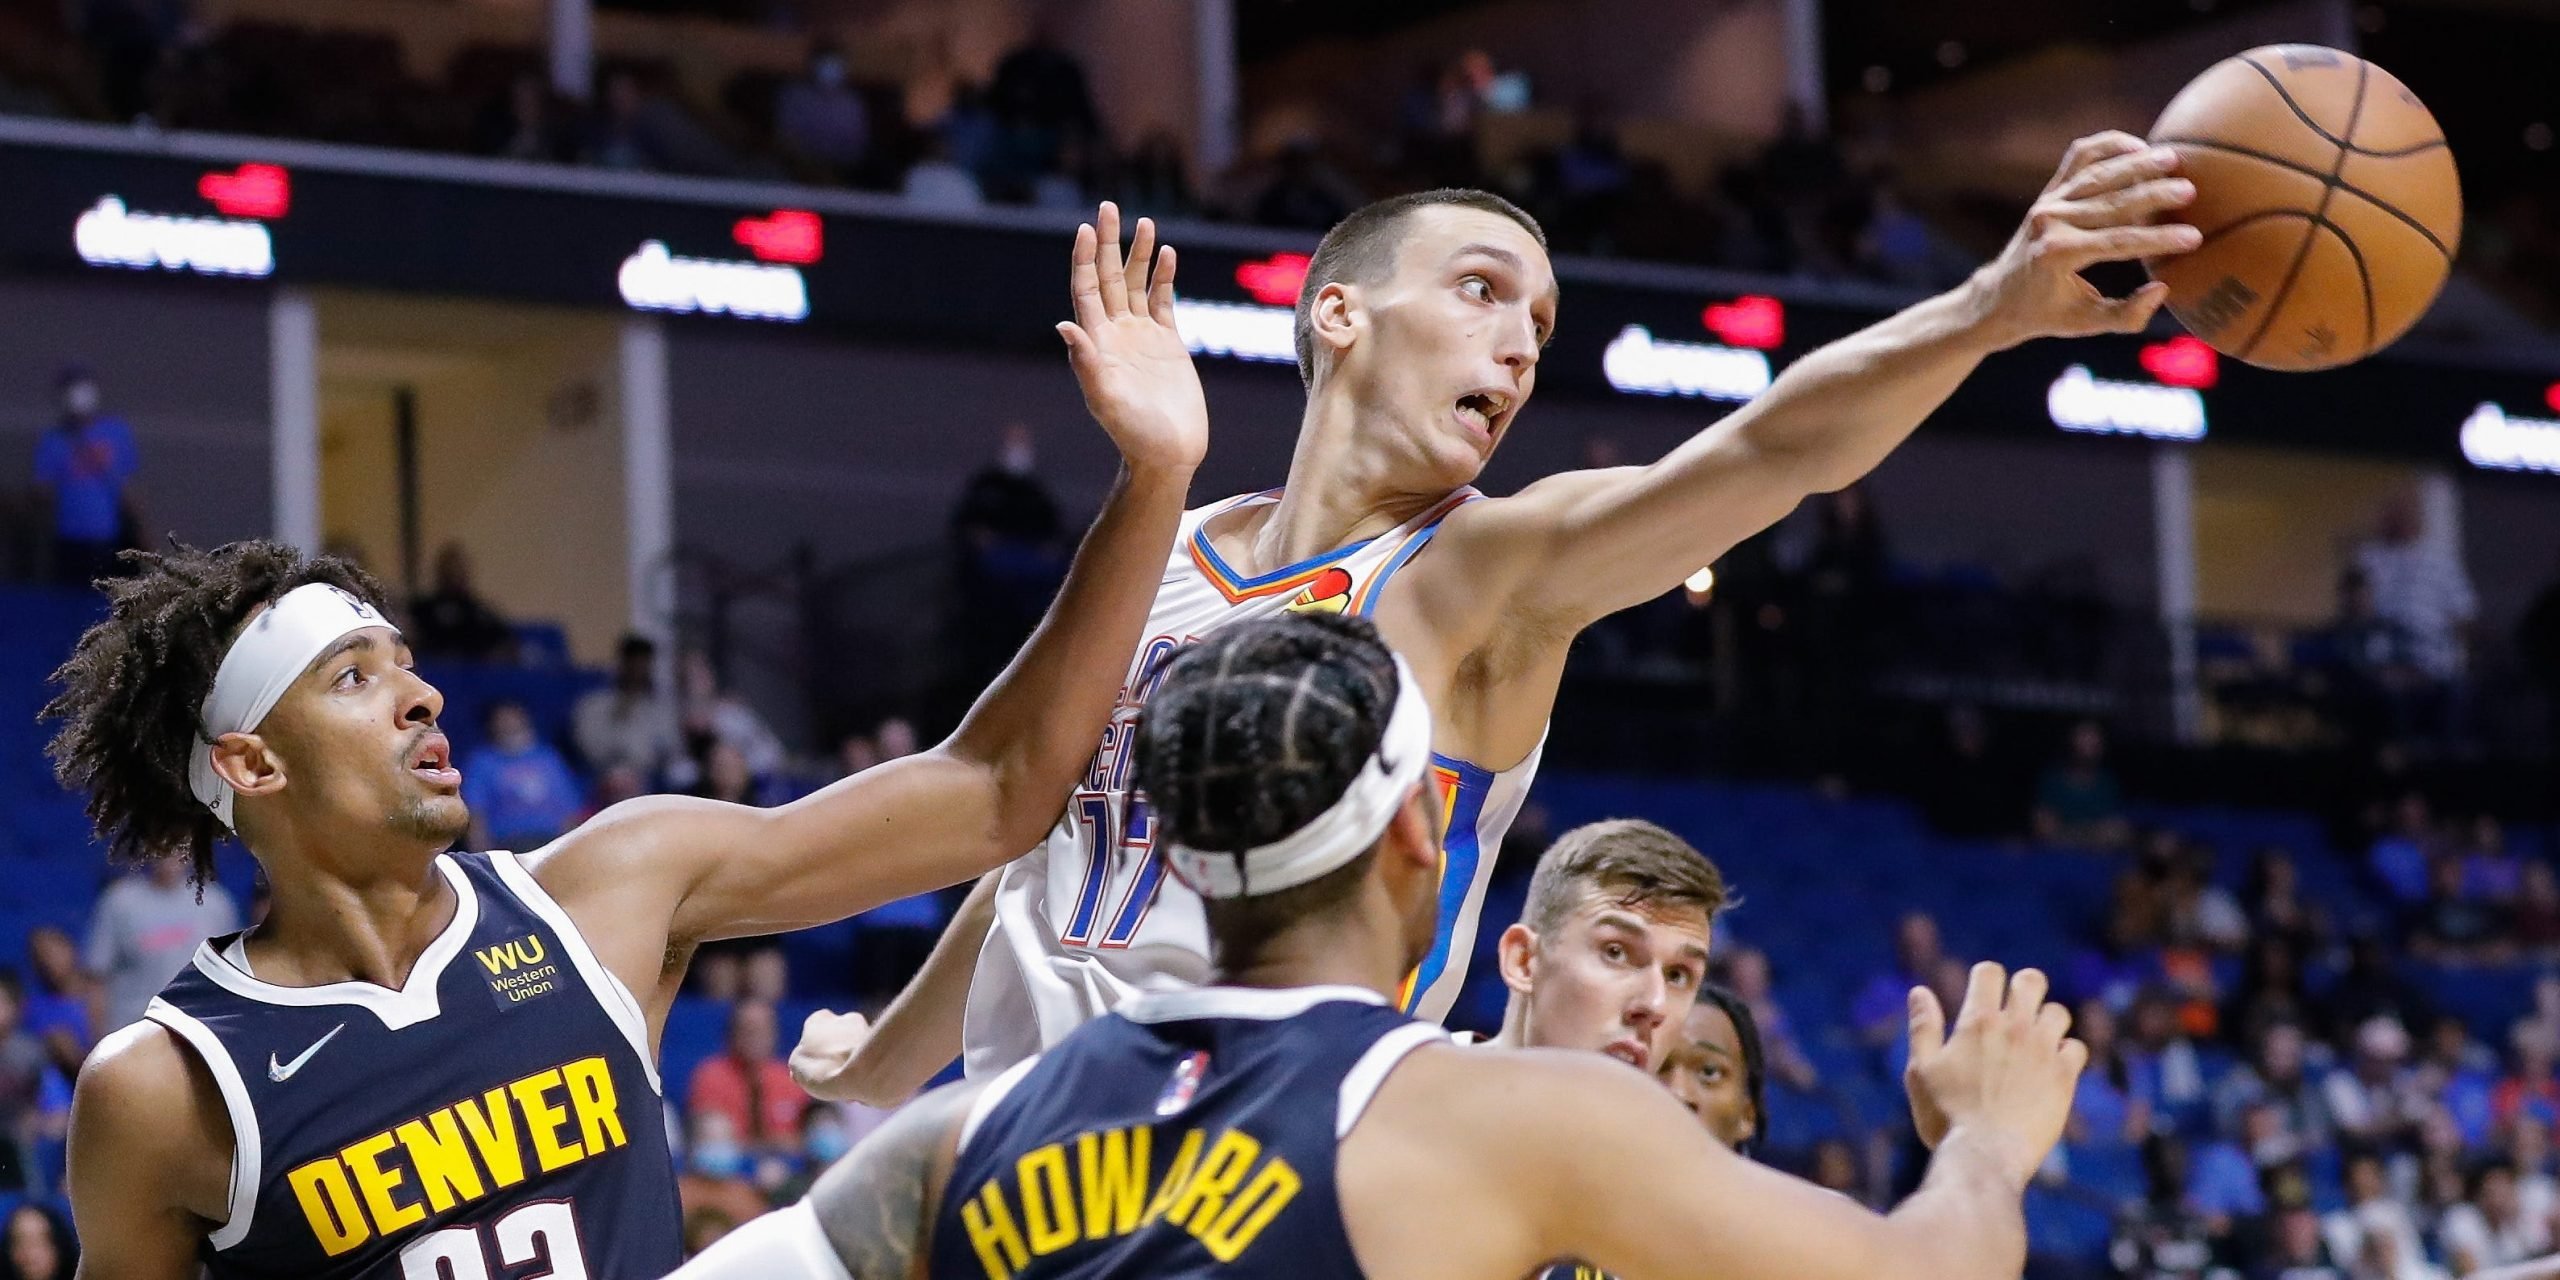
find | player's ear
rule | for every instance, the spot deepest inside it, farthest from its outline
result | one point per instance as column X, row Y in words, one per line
column 248, row 763
column 1335, row 315
column 1513, row 953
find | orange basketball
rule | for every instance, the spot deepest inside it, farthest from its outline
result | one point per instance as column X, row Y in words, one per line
column 2328, row 201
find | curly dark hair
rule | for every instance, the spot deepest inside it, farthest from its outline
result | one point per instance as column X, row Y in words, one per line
column 1755, row 1058
column 132, row 696
column 1256, row 730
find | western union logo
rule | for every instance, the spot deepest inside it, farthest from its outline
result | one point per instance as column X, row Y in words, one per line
column 519, row 969
column 1222, row 1192
column 460, row 1153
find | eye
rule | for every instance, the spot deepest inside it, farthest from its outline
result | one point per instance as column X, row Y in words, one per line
column 1683, row 979
column 1613, row 951
column 348, row 678
column 1476, row 287
column 1711, row 1074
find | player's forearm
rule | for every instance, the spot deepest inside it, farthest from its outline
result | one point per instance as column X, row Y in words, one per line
column 1835, row 414
column 1965, row 1222
column 920, row 1032
column 1037, row 726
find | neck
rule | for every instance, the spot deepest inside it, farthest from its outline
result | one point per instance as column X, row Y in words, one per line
column 1324, row 952
column 1515, row 1023
column 1338, row 492
column 338, row 924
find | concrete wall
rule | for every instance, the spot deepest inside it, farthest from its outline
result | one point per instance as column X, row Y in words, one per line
column 187, row 366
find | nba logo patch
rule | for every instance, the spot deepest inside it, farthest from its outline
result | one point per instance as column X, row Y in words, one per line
column 1178, row 1091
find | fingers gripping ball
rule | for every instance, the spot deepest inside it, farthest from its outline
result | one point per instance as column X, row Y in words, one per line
column 2328, row 202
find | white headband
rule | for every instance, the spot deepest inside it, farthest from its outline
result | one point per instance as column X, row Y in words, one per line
column 1341, row 833
column 264, row 662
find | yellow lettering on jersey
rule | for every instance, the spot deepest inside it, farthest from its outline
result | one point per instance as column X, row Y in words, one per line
column 327, row 1200
column 1253, row 1208
column 1220, row 1171
column 1175, row 1178
column 1111, row 1171
column 354, row 1194
column 443, row 1162
column 591, row 1096
column 506, row 957
column 542, row 1120
column 492, row 1127
column 992, row 1233
column 376, row 1184
column 1048, row 1203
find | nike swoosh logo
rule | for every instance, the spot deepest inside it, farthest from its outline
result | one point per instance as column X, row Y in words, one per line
column 281, row 1072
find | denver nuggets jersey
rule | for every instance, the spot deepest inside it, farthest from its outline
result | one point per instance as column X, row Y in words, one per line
column 497, row 1117
column 1192, row 1133
column 1091, row 915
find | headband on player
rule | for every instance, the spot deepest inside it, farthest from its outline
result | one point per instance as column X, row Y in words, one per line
column 264, row 662
column 1341, row 833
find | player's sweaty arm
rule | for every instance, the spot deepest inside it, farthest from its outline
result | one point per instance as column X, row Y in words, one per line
column 843, row 1058
column 1547, row 1155
column 990, row 791
column 1578, row 546
column 150, row 1158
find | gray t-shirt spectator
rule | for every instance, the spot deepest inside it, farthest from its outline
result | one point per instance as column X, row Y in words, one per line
column 145, row 928
column 621, row 728
column 2421, row 585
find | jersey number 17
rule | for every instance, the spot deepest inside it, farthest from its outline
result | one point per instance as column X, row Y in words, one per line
column 1119, row 847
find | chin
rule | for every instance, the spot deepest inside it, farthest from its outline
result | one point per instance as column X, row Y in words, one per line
column 441, row 820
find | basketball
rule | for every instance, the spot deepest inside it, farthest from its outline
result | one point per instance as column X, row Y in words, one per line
column 2328, row 201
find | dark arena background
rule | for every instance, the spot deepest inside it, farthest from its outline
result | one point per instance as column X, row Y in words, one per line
column 2229, row 697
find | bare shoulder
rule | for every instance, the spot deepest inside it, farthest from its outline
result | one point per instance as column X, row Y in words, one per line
column 877, row 1205
column 149, row 1132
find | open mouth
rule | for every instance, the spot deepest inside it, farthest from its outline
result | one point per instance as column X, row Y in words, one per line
column 1483, row 410
column 1634, row 1053
column 432, row 760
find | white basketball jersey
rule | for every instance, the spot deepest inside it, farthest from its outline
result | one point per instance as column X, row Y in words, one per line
column 1086, row 919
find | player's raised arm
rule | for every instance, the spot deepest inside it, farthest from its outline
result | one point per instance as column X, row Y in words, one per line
column 992, row 789
column 1581, row 545
column 844, row 1058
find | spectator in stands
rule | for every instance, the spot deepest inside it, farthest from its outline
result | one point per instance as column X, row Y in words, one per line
column 2271, row 989
column 2275, row 902
column 2530, row 1093
column 1897, row 245
column 2077, row 800
column 2370, row 665
column 2223, row 1185
column 452, row 621
column 145, row 927
column 528, row 123
column 1746, row 970
column 2372, row 1099
column 2491, row 1228
column 1040, row 97
column 749, row 1085
column 2104, row 1112
column 2162, row 1236
column 2402, row 856
column 2297, row 1249
column 2376, row 1233
column 1010, row 549
column 85, row 463
column 2162, row 1069
column 895, row 738
column 2491, row 871
column 821, row 118
column 2201, row 911
column 24, row 1066
column 2460, row 1077
column 641, row 127
column 2420, row 583
column 520, row 791
column 2275, row 1076
column 1154, row 181
column 714, row 1186
column 2453, row 928
column 726, row 777
column 2371, row 987
column 1882, row 1007
column 629, row 727
column 858, row 751
column 2536, row 919
column 1304, row 191
column 941, row 182
column 825, row 1135
column 62, row 1003
column 38, row 1244
column 713, row 714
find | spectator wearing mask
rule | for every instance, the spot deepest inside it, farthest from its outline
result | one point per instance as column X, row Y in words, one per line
column 2078, row 802
column 2490, row 1227
column 749, row 1085
column 452, row 621
column 85, row 463
column 628, row 728
column 821, row 117
column 143, row 931
column 715, row 1183
column 520, row 792
column 37, row 1244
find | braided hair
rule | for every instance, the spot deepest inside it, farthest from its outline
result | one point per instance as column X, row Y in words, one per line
column 1755, row 1061
column 131, row 700
column 1255, row 731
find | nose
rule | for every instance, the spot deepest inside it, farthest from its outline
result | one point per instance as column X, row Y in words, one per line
column 421, row 703
column 1517, row 344
column 1644, row 1011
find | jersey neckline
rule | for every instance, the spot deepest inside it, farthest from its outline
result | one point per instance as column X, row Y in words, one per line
column 413, row 1002
column 1260, row 1004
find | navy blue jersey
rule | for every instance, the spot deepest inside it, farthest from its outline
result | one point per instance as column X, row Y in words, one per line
column 1190, row 1133
column 496, row 1118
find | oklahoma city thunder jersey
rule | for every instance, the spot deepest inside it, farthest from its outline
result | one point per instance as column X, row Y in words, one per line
column 496, row 1117
column 1090, row 915
column 1192, row 1133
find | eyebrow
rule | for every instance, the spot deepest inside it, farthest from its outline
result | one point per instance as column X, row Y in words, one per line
column 352, row 640
column 1495, row 252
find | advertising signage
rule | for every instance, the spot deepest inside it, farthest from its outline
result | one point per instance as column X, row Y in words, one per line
column 863, row 269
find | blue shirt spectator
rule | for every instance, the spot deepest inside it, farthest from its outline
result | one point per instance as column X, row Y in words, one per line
column 83, row 464
column 1883, row 1005
column 2224, row 1183
column 521, row 792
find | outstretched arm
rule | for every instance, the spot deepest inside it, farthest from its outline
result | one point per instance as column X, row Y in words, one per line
column 1578, row 546
column 662, row 873
column 843, row 1057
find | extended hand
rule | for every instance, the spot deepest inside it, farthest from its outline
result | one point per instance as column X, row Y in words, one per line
column 1137, row 376
column 2008, row 1072
column 2099, row 207
column 828, row 1042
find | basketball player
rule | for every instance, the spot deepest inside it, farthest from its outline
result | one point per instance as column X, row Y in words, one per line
column 1716, row 1068
column 1418, row 332
column 425, row 1064
column 1287, row 1120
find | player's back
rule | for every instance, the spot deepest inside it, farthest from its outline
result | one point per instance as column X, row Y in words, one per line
column 1192, row 1132
column 497, row 1116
